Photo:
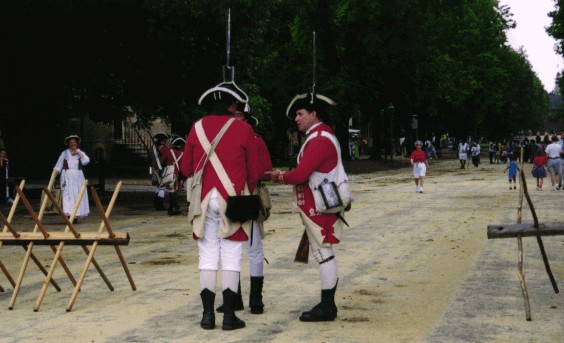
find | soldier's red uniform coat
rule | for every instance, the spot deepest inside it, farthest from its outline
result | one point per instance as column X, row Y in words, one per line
column 265, row 164
column 319, row 154
column 237, row 151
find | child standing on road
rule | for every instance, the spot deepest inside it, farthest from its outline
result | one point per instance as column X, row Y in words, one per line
column 512, row 175
column 419, row 163
column 539, row 171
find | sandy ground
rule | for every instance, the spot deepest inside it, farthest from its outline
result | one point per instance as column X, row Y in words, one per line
column 413, row 268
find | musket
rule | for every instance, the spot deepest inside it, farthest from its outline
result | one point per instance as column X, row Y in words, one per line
column 227, row 67
column 302, row 253
column 313, row 71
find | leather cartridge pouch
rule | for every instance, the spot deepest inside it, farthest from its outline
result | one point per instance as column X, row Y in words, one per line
column 242, row 208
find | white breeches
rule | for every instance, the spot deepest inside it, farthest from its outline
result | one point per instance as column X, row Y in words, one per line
column 328, row 271
column 255, row 252
column 214, row 249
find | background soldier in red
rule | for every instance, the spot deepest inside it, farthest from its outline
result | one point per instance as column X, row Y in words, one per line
column 254, row 244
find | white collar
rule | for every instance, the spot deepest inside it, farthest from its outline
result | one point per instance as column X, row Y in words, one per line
column 312, row 127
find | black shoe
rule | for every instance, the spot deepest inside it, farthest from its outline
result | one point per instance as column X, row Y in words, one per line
column 239, row 306
column 325, row 311
column 319, row 313
column 208, row 316
column 158, row 201
column 230, row 320
column 173, row 208
column 255, row 297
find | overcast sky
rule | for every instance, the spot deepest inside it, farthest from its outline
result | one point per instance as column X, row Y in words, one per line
column 532, row 19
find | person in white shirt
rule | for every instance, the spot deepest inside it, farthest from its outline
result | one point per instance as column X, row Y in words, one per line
column 463, row 153
column 561, row 143
column 69, row 165
column 553, row 151
column 475, row 151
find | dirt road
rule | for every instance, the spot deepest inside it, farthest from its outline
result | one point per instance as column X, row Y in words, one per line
column 413, row 268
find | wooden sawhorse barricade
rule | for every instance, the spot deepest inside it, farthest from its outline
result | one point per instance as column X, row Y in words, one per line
column 57, row 240
column 520, row 230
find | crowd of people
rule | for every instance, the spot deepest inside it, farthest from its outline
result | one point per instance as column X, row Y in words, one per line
column 545, row 153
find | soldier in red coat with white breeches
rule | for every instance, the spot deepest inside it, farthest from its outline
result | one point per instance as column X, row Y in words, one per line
column 230, row 171
column 318, row 161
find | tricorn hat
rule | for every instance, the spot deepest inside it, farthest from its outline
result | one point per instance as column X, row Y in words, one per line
column 75, row 137
column 159, row 136
column 251, row 120
column 226, row 93
column 309, row 101
column 178, row 143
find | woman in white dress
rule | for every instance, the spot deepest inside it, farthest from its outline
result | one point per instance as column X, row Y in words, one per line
column 69, row 165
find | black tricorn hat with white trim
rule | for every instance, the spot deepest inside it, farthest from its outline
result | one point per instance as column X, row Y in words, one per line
column 178, row 142
column 160, row 136
column 309, row 101
column 253, row 121
column 242, row 106
column 223, row 93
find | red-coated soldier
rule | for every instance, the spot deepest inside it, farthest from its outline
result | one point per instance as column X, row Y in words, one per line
column 318, row 156
column 219, row 239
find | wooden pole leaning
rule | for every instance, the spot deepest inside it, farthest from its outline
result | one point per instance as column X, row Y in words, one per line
column 69, row 224
column 539, row 238
column 30, row 245
column 7, row 223
column 4, row 270
column 5, row 229
column 520, row 230
column 520, row 275
column 105, row 224
column 59, row 249
column 44, row 232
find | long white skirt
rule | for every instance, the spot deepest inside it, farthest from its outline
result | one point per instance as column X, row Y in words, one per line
column 71, row 183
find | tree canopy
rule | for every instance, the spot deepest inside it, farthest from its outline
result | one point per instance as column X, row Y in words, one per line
column 448, row 61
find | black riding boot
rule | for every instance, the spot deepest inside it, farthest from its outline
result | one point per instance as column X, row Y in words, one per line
column 255, row 297
column 238, row 302
column 325, row 311
column 173, row 208
column 158, row 203
column 230, row 320
column 208, row 317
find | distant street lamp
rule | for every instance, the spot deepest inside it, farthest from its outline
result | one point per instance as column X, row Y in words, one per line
column 391, row 110
column 384, row 139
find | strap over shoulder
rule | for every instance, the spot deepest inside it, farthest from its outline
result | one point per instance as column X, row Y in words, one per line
column 210, row 155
